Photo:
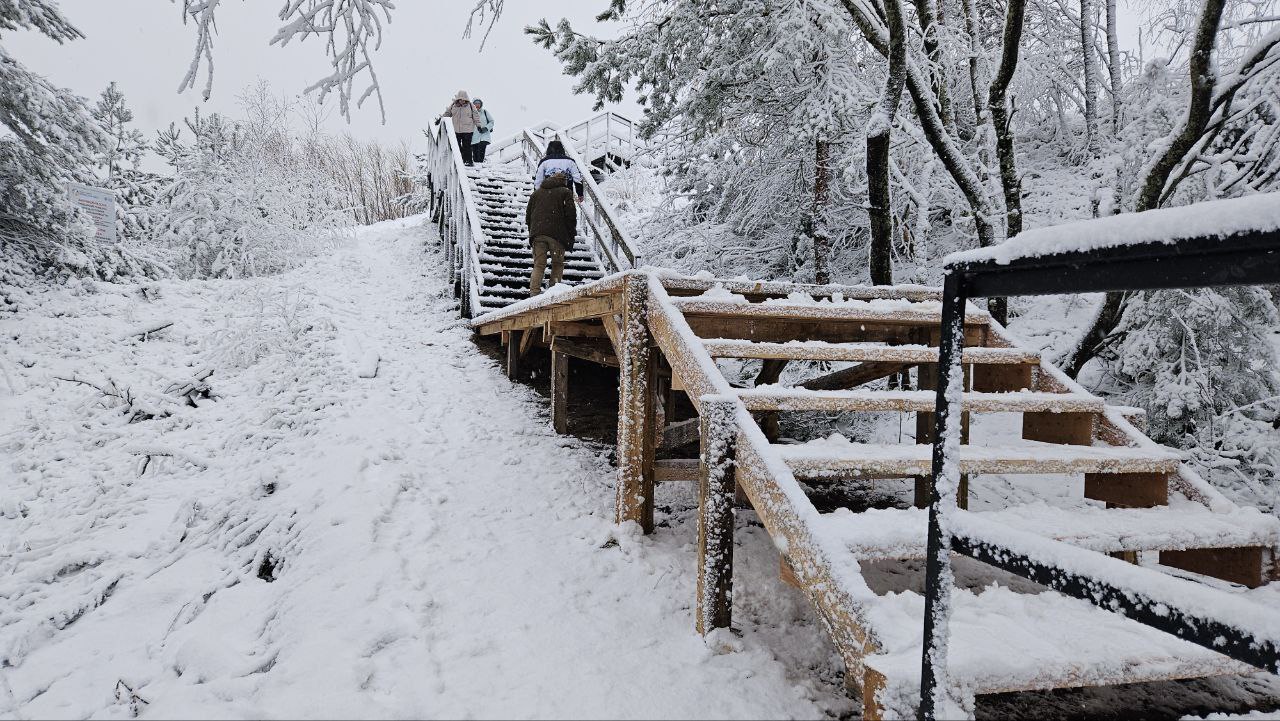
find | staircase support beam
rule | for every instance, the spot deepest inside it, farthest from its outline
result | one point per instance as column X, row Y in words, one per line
column 636, row 413
column 717, row 488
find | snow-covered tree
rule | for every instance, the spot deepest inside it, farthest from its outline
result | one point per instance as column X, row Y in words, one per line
column 126, row 145
column 49, row 138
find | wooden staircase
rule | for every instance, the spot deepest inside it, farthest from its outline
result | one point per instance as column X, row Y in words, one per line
column 501, row 194
column 1026, row 423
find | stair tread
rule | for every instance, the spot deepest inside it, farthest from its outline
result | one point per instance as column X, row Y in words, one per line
column 1004, row 641
column 900, row 533
column 878, row 310
column 778, row 397
column 836, row 457
column 863, row 352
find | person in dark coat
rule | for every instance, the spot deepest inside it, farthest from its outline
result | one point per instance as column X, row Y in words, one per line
column 552, row 217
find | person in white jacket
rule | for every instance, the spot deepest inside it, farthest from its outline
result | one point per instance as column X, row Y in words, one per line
column 465, row 121
column 558, row 162
column 484, row 131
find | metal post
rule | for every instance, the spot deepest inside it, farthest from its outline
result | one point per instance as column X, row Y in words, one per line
column 608, row 138
column 942, row 499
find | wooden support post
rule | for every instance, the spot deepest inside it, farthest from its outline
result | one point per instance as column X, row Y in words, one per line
column 635, row 409
column 927, row 379
column 560, row 392
column 873, row 683
column 770, row 372
column 717, row 487
column 513, row 354
column 1069, row 428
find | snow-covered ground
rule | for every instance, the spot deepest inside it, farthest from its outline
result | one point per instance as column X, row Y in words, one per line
column 310, row 542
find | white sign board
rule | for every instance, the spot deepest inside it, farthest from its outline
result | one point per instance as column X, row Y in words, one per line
column 100, row 205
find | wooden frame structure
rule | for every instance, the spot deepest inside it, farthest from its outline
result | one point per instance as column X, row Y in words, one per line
column 664, row 333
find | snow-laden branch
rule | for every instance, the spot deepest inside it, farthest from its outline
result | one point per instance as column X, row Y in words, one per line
column 352, row 30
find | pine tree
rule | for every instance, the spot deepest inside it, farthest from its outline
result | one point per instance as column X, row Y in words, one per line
column 125, row 145
column 52, row 139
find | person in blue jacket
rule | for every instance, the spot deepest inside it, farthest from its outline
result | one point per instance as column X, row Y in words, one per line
column 484, row 131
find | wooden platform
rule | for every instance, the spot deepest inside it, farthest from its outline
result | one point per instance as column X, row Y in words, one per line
column 665, row 332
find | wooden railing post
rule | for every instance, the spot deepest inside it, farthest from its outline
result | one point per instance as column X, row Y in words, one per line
column 717, row 486
column 559, row 392
column 635, row 409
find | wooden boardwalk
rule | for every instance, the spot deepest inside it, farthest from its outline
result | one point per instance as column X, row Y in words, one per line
column 665, row 332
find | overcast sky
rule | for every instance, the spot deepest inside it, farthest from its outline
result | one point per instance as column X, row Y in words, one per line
column 145, row 48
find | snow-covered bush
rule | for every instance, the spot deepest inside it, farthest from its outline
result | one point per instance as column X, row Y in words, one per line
column 242, row 201
column 1203, row 365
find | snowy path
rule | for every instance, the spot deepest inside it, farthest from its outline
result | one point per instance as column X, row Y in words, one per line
column 419, row 543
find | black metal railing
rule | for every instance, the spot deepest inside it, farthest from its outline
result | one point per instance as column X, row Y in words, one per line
column 1244, row 258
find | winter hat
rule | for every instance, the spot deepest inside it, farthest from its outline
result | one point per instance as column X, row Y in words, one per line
column 462, row 95
column 478, row 100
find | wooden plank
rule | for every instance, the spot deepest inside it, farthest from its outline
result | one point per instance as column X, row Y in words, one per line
column 610, row 323
column 676, row 470
column 754, row 290
column 576, row 329
column 927, row 314
column 902, row 401
column 1128, row 490
column 573, row 310
column 716, row 491
column 859, row 460
column 635, row 411
column 786, row 573
column 990, row 378
column 598, row 353
column 1237, row 565
column 854, row 376
column 680, row 433
column 783, row 330
column 862, row 352
column 526, row 339
column 1071, row 428
column 559, row 392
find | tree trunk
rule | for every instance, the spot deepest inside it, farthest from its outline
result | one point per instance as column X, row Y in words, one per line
column 1180, row 141
column 929, row 25
column 879, row 130
column 818, row 217
column 1113, row 63
column 1090, row 78
column 997, row 101
column 975, row 48
column 935, row 131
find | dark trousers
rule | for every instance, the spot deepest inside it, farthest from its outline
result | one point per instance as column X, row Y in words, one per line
column 478, row 149
column 464, row 142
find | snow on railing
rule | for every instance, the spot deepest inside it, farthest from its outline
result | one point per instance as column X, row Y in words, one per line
column 464, row 236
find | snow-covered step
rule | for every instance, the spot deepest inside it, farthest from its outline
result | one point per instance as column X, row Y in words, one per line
column 1002, row 641
column 900, row 533
column 513, row 261
column 838, row 457
column 522, row 249
column 786, row 398
column 861, row 352
column 847, row 311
